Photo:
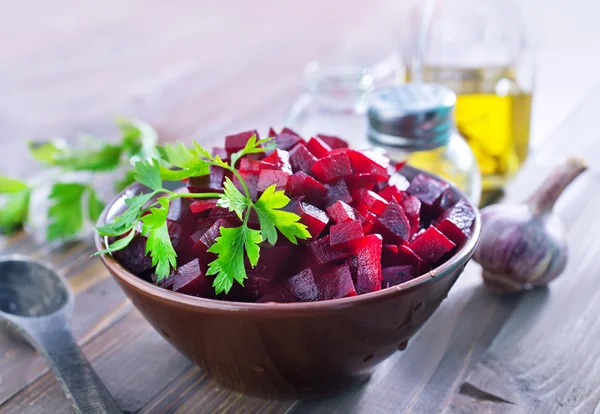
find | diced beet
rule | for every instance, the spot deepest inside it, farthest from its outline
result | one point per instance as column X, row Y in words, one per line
column 393, row 276
column 272, row 132
column 393, row 224
column 277, row 160
column 180, row 210
column 289, row 131
column 224, row 213
column 272, row 262
column 368, row 221
column 267, row 178
column 368, row 254
column 293, row 205
column 318, row 148
column 369, row 162
column 201, row 205
column 287, row 141
column 389, row 254
column 251, row 180
column 431, row 245
column 341, row 235
column 335, row 283
column 456, row 222
column 208, row 183
column 332, row 167
column 371, row 200
column 356, row 182
column 302, row 184
column 447, row 200
column 302, row 159
column 221, row 153
column 323, row 252
column 133, row 257
column 180, row 238
column 412, row 208
column 257, row 286
column 333, row 141
column 427, row 189
column 298, row 288
column 391, row 192
column 165, row 282
column 341, row 212
column 399, row 166
column 190, row 279
column 337, row 191
column 312, row 217
column 407, row 257
column 249, row 165
column 204, row 239
column 234, row 143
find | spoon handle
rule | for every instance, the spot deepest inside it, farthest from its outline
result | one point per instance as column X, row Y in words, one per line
column 79, row 381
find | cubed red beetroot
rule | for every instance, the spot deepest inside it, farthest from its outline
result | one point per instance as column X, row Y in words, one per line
column 357, row 182
column 180, row 239
column 341, row 212
column 298, row 288
column 234, row 143
column 267, row 178
column 165, row 282
column 407, row 257
column 332, row 167
column 391, row 192
column 412, row 208
column 134, row 258
column 313, row 218
column 289, row 131
column 204, row 239
column 302, row 184
column 324, row 253
column 427, row 189
column 277, row 160
column 333, row 141
column 337, row 191
column 287, row 141
column 393, row 224
column 370, row 163
column 224, row 213
column 208, row 183
column 447, row 200
column 272, row 132
column 341, row 235
column 368, row 256
column 302, row 159
column 456, row 222
column 431, row 245
column 202, row 205
column 368, row 221
column 251, row 180
column 335, row 283
column 318, row 148
column 370, row 201
column 393, row 276
column 389, row 253
column 249, row 165
column 272, row 264
column 180, row 211
column 191, row 280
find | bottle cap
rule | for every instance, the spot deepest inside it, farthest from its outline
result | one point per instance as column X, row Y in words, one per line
column 413, row 116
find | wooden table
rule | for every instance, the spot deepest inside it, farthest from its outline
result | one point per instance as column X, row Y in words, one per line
column 225, row 67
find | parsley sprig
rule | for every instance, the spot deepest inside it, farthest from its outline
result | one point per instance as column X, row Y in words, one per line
column 234, row 245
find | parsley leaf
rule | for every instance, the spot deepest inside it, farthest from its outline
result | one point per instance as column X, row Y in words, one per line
column 95, row 205
column 65, row 214
column 11, row 185
column 187, row 159
column 271, row 218
column 230, row 247
column 14, row 211
column 118, row 244
column 159, row 244
column 129, row 218
column 252, row 147
column 56, row 153
column 148, row 173
column 233, row 199
column 137, row 139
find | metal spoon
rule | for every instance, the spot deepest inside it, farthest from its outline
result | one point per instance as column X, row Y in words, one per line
column 37, row 303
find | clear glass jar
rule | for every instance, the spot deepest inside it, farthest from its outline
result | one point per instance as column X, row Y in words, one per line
column 484, row 56
column 414, row 123
column 334, row 102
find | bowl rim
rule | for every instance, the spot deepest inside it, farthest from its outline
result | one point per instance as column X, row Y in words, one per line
column 459, row 259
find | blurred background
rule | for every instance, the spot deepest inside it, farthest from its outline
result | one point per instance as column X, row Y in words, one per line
column 200, row 69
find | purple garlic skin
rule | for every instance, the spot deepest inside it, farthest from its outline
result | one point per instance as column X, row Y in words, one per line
column 524, row 246
column 520, row 251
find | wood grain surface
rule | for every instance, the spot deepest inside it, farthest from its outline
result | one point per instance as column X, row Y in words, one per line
column 204, row 69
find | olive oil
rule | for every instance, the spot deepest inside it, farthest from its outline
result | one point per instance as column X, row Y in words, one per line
column 492, row 113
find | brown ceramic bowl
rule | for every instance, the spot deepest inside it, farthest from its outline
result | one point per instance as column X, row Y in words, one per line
column 287, row 350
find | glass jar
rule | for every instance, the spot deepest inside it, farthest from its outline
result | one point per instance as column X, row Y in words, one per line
column 414, row 123
column 484, row 56
column 334, row 102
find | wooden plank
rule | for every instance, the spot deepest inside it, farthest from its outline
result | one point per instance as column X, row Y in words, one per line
column 132, row 360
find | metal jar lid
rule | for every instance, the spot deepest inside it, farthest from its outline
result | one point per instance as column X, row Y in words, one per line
column 413, row 116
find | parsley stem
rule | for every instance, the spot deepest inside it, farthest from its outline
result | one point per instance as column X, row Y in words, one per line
column 195, row 195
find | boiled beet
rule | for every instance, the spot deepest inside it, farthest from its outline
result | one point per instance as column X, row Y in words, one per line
column 393, row 224
column 391, row 192
column 251, row 180
column 341, row 212
column 333, row 141
column 368, row 254
column 456, row 222
column 341, row 235
column 337, row 191
column 412, row 208
column 332, row 168
column 268, row 178
column 335, row 283
column 289, row 131
column 272, row 263
column 371, row 201
column 204, row 239
column 369, row 162
column 298, row 288
column 407, row 257
column 287, row 141
column 427, row 189
column 165, row 282
column 313, row 218
column 393, row 276
column 277, row 160
column 324, row 253
column 190, row 279
column 202, row 205
column 133, row 257
column 356, row 182
column 301, row 183
column 208, row 183
column 249, row 165
column 318, row 148
column 234, row 143
column 431, row 245
column 302, row 159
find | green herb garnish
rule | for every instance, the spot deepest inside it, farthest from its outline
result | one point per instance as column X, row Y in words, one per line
column 234, row 244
